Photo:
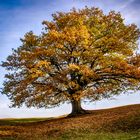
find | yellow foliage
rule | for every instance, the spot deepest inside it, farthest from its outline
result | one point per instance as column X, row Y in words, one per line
column 82, row 53
column 42, row 63
column 74, row 67
column 36, row 73
column 86, row 71
column 73, row 85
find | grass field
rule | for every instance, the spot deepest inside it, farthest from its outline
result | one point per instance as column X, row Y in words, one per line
column 122, row 123
column 13, row 121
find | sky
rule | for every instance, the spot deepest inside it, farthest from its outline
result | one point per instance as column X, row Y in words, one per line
column 17, row 17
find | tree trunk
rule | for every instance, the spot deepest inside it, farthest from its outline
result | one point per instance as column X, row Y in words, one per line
column 76, row 108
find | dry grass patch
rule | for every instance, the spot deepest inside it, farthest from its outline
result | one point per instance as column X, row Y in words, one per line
column 124, row 119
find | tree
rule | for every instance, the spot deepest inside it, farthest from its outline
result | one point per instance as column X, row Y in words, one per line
column 82, row 54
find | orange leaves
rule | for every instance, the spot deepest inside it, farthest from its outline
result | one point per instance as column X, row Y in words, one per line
column 73, row 85
column 77, row 36
column 135, row 60
column 74, row 67
column 86, row 71
column 59, row 46
column 52, row 35
column 30, row 40
column 34, row 73
column 80, row 53
column 82, row 69
column 100, row 90
column 78, row 95
column 40, row 69
column 135, row 72
column 43, row 63
column 50, row 25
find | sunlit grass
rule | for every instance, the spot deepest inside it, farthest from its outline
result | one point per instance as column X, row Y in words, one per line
column 21, row 120
column 99, row 136
column 121, row 123
column 76, row 135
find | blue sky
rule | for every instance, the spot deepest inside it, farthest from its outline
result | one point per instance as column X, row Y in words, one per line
column 20, row 16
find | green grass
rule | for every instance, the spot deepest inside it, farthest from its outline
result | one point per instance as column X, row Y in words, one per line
column 104, row 136
column 7, row 139
column 100, row 136
column 122, row 123
column 75, row 135
column 21, row 120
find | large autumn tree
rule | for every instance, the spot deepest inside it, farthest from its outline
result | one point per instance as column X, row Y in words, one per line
column 81, row 54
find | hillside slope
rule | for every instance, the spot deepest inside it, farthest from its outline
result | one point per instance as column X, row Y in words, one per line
column 120, row 119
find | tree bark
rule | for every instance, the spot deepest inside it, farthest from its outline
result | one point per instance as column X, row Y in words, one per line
column 76, row 108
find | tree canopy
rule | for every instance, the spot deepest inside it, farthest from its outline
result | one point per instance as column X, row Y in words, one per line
column 81, row 54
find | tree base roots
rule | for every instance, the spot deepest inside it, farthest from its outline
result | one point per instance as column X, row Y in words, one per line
column 78, row 113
